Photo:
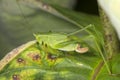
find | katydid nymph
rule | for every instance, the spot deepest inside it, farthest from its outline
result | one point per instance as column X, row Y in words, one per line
column 60, row 41
column 54, row 42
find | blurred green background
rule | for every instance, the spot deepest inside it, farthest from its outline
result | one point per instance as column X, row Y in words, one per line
column 18, row 22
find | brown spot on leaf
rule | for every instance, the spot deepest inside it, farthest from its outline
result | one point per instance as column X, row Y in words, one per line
column 21, row 61
column 81, row 50
column 15, row 77
column 34, row 56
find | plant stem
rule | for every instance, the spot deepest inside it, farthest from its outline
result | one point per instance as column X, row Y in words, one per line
column 110, row 37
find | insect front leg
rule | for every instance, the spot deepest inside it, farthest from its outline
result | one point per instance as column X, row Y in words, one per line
column 48, row 54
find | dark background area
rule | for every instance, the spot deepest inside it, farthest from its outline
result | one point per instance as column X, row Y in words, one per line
column 87, row 6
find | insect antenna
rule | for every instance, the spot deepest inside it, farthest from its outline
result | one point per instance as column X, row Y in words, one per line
column 73, row 33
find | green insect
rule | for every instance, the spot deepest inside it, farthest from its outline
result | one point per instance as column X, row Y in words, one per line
column 60, row 42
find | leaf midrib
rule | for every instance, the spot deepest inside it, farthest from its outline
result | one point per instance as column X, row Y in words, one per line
column 97, row 70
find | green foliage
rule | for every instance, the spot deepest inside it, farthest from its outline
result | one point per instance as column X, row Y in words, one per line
column 34, row 62
column 48, row 58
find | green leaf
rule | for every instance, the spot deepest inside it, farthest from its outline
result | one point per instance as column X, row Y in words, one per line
column 28, row 64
